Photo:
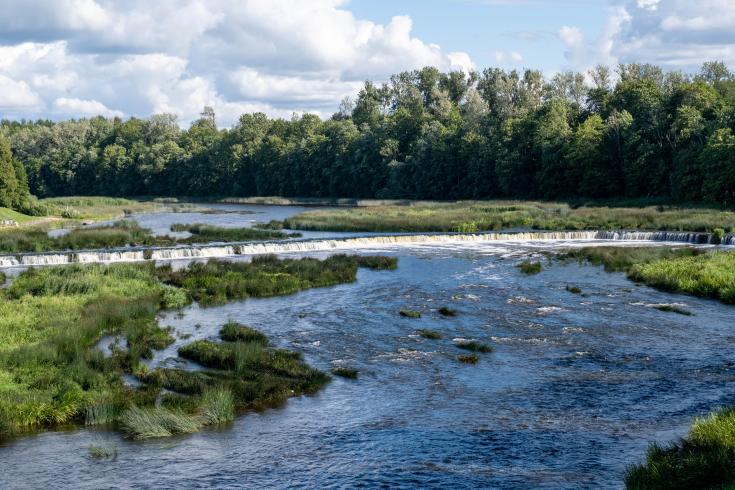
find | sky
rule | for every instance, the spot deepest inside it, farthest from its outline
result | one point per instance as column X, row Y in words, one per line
column 63, row 59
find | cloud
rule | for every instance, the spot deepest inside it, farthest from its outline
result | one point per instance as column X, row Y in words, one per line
column 138, row 57
column 508, row 57
column 79, row 107
column 17, row 95
column 677, row 34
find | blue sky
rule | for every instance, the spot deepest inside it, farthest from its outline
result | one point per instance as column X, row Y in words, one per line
column 78, row 58
column 484, row 28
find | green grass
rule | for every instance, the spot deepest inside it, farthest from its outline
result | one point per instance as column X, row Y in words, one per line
column 708, row 274
column 473, row 346
column 121, row 234
column 429, row 334
column 20, row 218
column 51, row 373
column 344, row 372
column 407, row 313
column 234, row 332
column 215, row 282
column 530, row 268
column 468, row 358
column 208, row 233
column 218, row 406
column 673, row 309
column 152, row 422
column 703, row 459
column 472, row 216
column 102, row 451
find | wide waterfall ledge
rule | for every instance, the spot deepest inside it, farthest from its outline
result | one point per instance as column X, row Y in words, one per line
column 140, row 254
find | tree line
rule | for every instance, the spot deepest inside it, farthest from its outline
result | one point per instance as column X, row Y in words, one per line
column 423, row 135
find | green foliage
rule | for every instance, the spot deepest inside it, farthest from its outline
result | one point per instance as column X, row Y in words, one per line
column 210, row 233
column 530, row 268
column 405, row 312
column 53, row 372
column 429, row 334
column 153, row 422
column 423, row 135
column 501, row 215
column 681, row 270
column 344, row 372
column 445, row 311
column 234, row 332
column 673, row 309
column 218, row 406
column 102, row 452
column 473, row 346
column 215, row 282
column 704, row 459
column 468, row 358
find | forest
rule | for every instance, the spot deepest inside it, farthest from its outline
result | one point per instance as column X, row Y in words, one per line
column 636, row 132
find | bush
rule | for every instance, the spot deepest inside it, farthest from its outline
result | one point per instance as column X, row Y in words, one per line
column 429, row 334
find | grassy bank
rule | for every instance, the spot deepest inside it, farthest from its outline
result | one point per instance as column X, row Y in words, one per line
column 202, row 232
column 681, row 270
column 705, row 458
column 52, row 371
column 217, row 281
column 471, row 216
column 121, row 234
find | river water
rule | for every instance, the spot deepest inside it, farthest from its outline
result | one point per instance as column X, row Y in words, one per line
column 576, row 388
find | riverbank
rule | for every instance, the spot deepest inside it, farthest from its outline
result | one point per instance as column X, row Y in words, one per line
column 707, row 274
column 477, row 216
column 69, row 337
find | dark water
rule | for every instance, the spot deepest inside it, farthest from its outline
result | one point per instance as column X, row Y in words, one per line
column 575, row 390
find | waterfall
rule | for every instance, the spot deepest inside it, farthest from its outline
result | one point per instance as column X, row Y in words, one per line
column 317, row 245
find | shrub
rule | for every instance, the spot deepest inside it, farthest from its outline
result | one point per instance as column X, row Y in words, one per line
column 429, row 334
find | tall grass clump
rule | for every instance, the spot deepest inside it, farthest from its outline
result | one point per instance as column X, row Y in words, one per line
column 153, row 422
column 703, row 459
column 235, row 332
column 530, row 268
column 218, row 406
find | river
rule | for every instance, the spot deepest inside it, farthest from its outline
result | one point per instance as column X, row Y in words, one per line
column 575, row 390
